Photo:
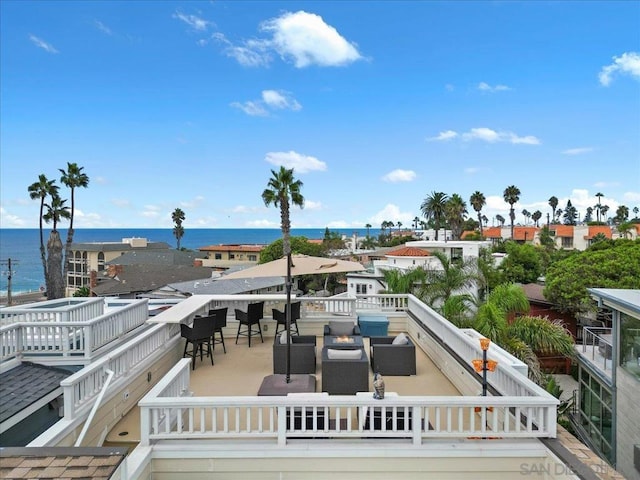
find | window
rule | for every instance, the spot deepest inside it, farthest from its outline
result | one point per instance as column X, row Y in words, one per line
column 630, row 344
column 456, row 255
column 100, row 261
column 361, row 288
column 567, row 242
column 252, row 258
column 595, row 413
column 218, row 256
column 232, row 256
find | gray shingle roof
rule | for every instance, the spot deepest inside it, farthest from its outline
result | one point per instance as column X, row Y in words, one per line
column 25, row 384
column 156, row 257
column 146, row 278
column 221, row 286
column 115, row 246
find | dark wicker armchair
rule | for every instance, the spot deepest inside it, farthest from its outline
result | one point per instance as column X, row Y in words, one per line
column 342, row 376
column 281, row 318
column 390, row 359
column 303, row 354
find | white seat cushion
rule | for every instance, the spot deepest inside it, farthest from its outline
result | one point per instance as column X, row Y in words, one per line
column 401, row 339
column 344, row 354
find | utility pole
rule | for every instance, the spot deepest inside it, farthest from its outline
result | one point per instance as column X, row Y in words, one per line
column 9, row 273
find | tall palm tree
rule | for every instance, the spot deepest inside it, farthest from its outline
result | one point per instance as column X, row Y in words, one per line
column 455, row 213
column 604, row 209
column 635, row 211
column 526, row 214
column 433, row 209
column 536, row 216
column 178, row 217
column 367, row 226
column 416, row 222
column 511, row 196
column 40, row 190
column 553, row 203
column 282, row 191
column 500, row 219
column 56, row 210
column 73, row 177
column 478, row 201
column 598, row 207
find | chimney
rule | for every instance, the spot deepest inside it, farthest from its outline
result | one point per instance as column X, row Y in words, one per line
column 93, row 279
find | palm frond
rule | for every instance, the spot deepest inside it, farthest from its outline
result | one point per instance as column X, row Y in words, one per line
column 510, row 298
column 543, row 335
column 491, row 322
column 522, row 351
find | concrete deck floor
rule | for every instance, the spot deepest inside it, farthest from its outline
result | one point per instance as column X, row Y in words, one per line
column 241, row 370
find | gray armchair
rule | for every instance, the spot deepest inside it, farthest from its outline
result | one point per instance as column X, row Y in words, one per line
column 303, row 355
column 341, row 327
column 345, row 376
column 390, row 359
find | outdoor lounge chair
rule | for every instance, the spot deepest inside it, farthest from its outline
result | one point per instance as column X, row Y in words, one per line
column 345, row 376
column 388, row 358
column 303, row 354
column 198, row 336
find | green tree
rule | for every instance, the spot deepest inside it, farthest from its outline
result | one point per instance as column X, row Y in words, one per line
column 73, row 177
column 622, row 214
column 332, row 240
column 522, row 264
column 416, row 222
column 625, row 229
column 433, row 209
column 41, row 190
column 553, row 203
column 455, row 211
column 56, row 210
column 368, row 227
column 598, row 207
column 526, row 214
column 570, row 214
column 536, row 216
column 282, row 191
column 478, row 201
column 635, row 212
column 589, row 215
column 178, row 217
column 82, row 292
column 500, row 219
column 403, row 281
column 607, row 264
column 298, row 245
column 446, row 280
column 524, row 336
column 511, row 195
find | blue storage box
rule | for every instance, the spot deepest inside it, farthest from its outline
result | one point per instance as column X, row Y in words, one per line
column 373, row 326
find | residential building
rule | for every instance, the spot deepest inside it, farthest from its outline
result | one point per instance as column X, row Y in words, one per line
column 607, row 416
column 225, row 256
column 88, row 257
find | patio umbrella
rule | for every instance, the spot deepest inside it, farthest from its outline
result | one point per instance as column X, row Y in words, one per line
column 292, row 266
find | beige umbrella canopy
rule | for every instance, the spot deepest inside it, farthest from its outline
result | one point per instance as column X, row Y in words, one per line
column 300, row 265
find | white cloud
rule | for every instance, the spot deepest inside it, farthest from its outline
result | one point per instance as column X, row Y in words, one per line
column 299, row 162
column 488, row 135
column 391, row 213
column 632, row 196
column 485, row 87
column 150, row 211
column 400, row 175
column 10, row 220
column 195, row 22
column 302, row 38
column 577, row 151
column 444, row 136
column 262, row 224
column 194, row 203
column 38, row 42
column 628, row 63
column 311, row 205
column 255, row 109
column 308, row 40
column 471, row 170
column 102, row 27
column 271, row 99
column 280, row 99
column 449, row 87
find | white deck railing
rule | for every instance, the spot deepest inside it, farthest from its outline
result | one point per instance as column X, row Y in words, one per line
column 168, row 412
column 57, row 340
column 60, row 310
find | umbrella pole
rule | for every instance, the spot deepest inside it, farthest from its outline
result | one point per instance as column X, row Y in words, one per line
column 288, row 317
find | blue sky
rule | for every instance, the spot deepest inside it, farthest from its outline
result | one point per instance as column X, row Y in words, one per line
column 374, row 104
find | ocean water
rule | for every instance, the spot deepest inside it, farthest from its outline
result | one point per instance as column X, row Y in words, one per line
column 22, row 245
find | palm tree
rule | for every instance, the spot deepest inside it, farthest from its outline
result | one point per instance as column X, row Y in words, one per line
column 598, row 207
column 553, row 203
column 399, row 281
column 455, row 212
column 536, row 217
column 478, row 201
column 511, row 196
column 399, row 224
column 441, row 283
column 416, row 222
column 41, row 189
column 178, row 217
column 433, row 209
column 635, row 211
column 526, row 214
column 622, row 214
column 56, row 210
column 73, row 177
column 500, row 219
column 588, row 215
column 367, row 226
column 604, row 209
column 524, row 336
column 485, row 220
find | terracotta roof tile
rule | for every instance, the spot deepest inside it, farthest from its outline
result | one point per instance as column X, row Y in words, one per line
column 493, row 232
column 408, row 252
column 596, row 229
column 524, row 233
column 562, row 230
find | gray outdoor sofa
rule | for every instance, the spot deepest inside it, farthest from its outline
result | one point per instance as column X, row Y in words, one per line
column 390, row 359
column 303, row 354
column 345, row 376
